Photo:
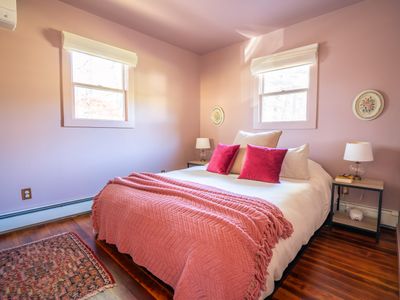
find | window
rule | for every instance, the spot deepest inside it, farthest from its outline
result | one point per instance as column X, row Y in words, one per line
column 99, row 88
column 96, row 84
column 286, row 92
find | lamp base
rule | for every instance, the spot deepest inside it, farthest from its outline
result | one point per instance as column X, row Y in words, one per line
column 203, row 155
column 357, row 170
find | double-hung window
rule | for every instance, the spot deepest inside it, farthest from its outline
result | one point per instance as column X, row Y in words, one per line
column 286, row 89
column 97, row 83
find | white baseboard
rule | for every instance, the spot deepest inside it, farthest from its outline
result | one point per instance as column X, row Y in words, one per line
column 389, row 217
column 23, row 219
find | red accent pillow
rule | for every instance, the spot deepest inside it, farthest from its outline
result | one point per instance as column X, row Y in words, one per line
column 262, row 164
column 222, row 159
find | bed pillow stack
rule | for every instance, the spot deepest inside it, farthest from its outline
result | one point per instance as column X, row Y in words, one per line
column 255, row 157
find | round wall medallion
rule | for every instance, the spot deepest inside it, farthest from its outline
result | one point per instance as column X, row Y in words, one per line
column 368, row 105
column 217, row 115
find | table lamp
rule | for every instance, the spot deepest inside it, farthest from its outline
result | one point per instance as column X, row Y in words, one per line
column 203, row 144
column 358, row 152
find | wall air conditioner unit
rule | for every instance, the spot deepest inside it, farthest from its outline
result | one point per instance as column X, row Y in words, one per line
column 8, row 14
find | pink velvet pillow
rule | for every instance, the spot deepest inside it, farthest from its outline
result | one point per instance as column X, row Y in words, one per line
column 262, row 163
column 222, row 159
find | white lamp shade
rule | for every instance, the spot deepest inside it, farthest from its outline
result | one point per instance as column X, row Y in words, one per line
column 358, row 152
column 203, row 143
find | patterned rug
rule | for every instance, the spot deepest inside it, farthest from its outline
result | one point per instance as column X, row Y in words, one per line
column 59, row 267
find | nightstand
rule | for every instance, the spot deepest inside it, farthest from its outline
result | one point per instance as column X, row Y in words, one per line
column 194, row 163
column 368, row 224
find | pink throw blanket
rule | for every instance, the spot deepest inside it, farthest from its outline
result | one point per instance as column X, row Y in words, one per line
column 204, row 242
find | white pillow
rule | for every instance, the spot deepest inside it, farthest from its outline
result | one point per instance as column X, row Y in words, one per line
column 295, row 163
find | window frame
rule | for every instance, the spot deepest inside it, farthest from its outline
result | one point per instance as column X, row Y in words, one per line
column 68, row 118
column 312, row 95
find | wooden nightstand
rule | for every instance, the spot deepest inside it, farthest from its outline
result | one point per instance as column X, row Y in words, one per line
column 193, row 163
column 368, row 224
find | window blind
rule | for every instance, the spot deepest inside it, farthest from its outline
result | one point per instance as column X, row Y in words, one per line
column 74, row 42
column 290, row 58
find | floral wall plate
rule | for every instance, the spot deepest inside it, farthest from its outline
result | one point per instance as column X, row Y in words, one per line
column 217, row 115
column 368, row 105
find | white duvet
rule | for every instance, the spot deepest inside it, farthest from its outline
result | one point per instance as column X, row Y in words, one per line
column 305, row 203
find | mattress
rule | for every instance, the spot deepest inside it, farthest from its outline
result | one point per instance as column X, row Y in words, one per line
column 305, row 203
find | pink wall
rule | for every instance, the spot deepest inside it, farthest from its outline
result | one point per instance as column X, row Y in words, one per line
column 359, row 49
column 62, row 164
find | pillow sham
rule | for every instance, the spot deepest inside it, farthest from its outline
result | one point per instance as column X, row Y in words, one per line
column 222, row 158
column 295, row 164
column 262, row 164
column 266, row 139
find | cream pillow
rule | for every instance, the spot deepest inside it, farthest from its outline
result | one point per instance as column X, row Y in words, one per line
column 295, row 164
column 265, row 139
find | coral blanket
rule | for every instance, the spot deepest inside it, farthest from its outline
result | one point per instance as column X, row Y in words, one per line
column 204, row 242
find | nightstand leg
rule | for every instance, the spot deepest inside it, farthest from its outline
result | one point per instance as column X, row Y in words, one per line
column 338, row 198
column 332, row 197
column 378, row 225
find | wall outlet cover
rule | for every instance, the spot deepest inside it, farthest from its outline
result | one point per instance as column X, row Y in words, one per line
column 26, row 193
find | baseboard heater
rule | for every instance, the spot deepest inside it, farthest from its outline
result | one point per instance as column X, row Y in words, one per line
column 34, row 216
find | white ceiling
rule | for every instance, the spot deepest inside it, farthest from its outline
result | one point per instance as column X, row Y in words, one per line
column 202, row 26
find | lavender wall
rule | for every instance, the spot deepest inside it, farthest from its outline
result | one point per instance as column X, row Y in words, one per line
column 62, row 164
column 359, row 49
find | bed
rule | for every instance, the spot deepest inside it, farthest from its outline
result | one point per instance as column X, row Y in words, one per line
column 304, row 203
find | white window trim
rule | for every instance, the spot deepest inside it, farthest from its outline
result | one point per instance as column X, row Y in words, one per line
column 73, row 42
column 291, row 58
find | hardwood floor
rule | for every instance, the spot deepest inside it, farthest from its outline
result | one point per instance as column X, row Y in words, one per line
column 398, row 253
column 337, row 265
column 344, row 265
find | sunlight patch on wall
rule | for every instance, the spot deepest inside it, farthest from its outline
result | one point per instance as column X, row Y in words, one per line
column 263, row 44
column 250, row 47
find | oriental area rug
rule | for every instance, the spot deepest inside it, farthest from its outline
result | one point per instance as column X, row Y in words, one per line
column 58, row 267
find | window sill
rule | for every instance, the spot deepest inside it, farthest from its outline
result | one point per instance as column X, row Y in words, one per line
column 286, row 125
column 98, row 123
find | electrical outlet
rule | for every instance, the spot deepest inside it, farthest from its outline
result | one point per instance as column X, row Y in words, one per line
column 26, row 193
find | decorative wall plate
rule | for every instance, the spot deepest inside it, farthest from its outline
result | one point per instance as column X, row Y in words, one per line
column 217, row 115
column 368, row 105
